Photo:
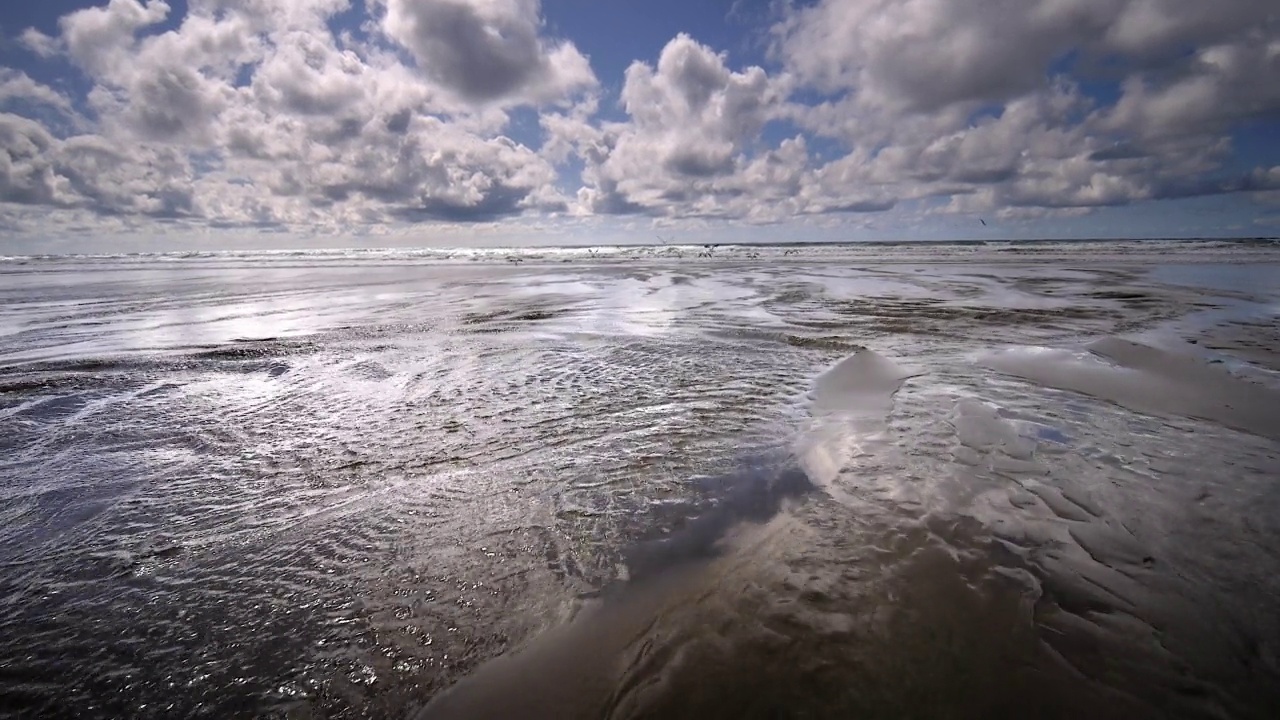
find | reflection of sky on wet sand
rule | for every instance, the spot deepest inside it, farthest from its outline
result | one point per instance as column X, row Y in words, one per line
column 142, row 311
column 1252, row 279
column 403, row 472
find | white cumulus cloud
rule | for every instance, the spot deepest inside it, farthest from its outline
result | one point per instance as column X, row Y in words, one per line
column 487, row 50
column 329, row 115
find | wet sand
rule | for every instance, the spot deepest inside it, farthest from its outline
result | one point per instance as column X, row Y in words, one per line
column 1253, row 341
column 1095, row 611
column 1151, row 380
column 974, row 487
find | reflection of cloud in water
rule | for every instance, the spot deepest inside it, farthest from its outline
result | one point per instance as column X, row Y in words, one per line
column 571, row 671
column 447, row 463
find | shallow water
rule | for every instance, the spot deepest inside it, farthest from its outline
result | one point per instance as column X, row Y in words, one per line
column 817, row 485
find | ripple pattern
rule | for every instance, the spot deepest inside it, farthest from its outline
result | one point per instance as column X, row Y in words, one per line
column 301, row 491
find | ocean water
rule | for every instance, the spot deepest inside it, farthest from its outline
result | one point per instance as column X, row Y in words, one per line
column 816, row 481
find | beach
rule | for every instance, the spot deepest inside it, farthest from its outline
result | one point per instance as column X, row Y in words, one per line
column 903, row 480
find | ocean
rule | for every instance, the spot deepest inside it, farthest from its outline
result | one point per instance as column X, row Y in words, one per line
column 965, row 480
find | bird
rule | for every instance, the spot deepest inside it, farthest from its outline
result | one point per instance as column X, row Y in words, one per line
column 984, row 222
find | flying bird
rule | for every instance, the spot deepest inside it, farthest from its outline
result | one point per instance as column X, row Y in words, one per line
column 984, row 222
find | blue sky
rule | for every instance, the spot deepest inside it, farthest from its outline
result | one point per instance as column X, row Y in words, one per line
column 232, row 123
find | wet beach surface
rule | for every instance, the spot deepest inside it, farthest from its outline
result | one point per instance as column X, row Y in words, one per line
column 923, row 482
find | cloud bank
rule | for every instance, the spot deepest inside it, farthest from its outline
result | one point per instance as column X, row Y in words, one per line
column 319, row 115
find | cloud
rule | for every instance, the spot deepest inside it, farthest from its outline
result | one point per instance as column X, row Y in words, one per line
column 1218, row 85
column 99, row 39
column 39, row 43
column 981, row 101
column 927, row 54
column 328, row 115
column 26, row 173
column 18, row 86
column 687, row 147
column 967, row 99
column 89, row 172
column 257, row 114
column 487, row 50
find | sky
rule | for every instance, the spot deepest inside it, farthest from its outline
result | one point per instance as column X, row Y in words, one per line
column 177, row 124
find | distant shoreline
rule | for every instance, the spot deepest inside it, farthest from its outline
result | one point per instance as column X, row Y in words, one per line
column 447, row 252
